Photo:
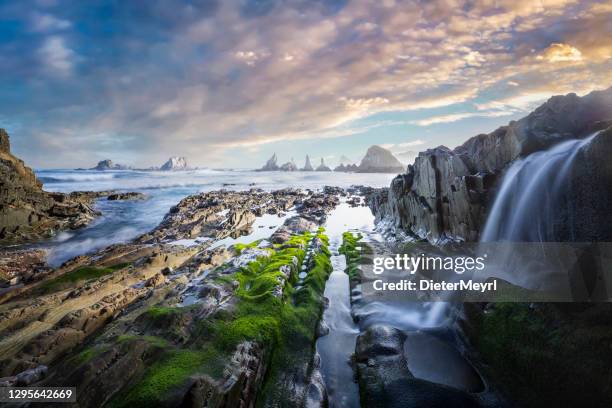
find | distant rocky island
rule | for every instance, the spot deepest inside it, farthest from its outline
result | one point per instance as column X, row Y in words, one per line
column 376, row 160
column 175, row 163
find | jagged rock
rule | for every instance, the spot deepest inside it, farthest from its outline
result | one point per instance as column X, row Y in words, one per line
column 26, row 211
column 322, row 166
column 379, row 160
column 271, row 164
column 307, row 165
column 446, row 193
column 174, row 164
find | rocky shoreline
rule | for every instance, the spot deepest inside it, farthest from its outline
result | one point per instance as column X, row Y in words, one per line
column 154, row 302
column 28, row 213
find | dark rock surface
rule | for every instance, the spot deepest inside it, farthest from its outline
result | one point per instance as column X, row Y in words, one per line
column 126, row 196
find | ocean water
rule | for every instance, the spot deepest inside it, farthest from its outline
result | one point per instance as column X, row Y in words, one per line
column 122, row 221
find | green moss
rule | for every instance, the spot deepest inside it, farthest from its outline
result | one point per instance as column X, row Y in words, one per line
column 352, row 254
column 171, row 371
column 284, row 325
column 89, row 353
column 84, row 273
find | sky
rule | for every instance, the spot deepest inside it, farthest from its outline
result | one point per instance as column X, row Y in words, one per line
column 228, row 83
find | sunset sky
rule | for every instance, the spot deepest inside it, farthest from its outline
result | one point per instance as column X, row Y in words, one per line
column 228, row 83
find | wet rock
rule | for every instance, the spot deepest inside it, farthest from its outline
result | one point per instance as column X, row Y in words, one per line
column 385, row 380
column 127, row 196
column 31, row 376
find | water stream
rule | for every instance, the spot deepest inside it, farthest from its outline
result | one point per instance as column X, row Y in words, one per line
column 530, row 195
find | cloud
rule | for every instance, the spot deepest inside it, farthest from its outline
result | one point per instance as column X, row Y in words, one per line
column 47, row 22
column 207, row 76
column 57, row 56
column 559, row 52
column 454, row 117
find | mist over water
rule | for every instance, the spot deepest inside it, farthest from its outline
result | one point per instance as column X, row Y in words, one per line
column 122, row 221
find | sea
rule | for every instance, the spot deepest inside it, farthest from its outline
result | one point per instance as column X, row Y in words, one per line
column 122, row 221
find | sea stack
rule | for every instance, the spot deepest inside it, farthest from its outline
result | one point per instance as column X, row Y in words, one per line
column 271, row 164
column 322, row 166
column 289, row 166
column 307, row 165
column 380, row 160
column 109, row 165
column 175, row 164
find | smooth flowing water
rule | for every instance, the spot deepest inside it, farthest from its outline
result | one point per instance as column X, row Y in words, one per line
column 338, row 345
column 530, row 193
column 122, row 221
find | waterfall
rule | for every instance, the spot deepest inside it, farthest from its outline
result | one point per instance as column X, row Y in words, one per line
column 532, row 196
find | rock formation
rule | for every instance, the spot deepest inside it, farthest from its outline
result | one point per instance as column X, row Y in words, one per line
column 29, row 213
column 307, row 165
column 379, row 160
column 349, row 168
column 322, row 166
column 446, row 193
column 271, row 164
column 175, row 164
column 109, row 165
column 289, row 166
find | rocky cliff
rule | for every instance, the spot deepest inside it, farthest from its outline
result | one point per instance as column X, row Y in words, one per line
column 446, row 193
column 379, row 160
column 26, row 211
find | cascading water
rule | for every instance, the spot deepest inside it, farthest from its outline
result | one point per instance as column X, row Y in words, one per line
column 532, row 195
